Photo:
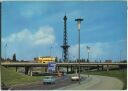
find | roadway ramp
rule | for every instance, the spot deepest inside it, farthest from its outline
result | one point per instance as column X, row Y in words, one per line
column 96, row 82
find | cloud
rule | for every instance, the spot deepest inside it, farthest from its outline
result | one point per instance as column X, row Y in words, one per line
column 30, row 11
column 27, row 44
column 104, row 50
column 95, row 50
column 43, row 36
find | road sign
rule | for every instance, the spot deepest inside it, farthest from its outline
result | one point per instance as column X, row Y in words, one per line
column 51, row 66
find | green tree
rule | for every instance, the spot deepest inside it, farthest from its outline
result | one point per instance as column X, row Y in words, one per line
column 14, row 57
column 56, row 59
column 59, row 60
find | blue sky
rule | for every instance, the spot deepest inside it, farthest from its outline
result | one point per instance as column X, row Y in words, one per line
column 31, row 28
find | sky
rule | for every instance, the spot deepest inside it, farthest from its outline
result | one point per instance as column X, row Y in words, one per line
column 30, row 29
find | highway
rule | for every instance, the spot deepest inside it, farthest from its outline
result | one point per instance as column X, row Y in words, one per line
column 93, row 82
column 96, row 82
column 60, row 82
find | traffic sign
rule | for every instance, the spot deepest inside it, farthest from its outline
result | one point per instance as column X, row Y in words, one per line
column 51, row 66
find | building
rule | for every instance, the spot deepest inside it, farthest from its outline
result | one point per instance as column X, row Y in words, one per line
column 45, row 59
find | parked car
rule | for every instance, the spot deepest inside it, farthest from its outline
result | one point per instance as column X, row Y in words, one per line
column 49, row 79
column 75, row 77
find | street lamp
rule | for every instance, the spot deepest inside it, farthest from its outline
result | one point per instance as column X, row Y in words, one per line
column 78, row 25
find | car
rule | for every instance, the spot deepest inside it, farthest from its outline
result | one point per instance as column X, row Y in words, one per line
column 75, row 77
column 59, row 74
column 49, row 79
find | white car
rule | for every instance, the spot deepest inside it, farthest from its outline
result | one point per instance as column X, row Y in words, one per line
column 75, row 78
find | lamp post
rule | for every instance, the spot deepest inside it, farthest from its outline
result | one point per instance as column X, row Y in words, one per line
column 78, row 25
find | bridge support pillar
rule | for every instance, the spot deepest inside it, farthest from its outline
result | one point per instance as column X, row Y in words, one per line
column 26, row 70
column 76, row 70
column 71, row 68
column 67, row 69
column 58, row 68
column 30, row 71
column 102, row 67
column 16, row 69
column 98, row 67
column 107, row 67
column 82, row 68
column 46, row 69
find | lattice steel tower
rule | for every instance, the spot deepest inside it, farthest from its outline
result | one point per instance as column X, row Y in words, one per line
column 65, row 45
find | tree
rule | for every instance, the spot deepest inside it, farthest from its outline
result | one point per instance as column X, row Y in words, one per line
column 56, row 59
column 35, row 58
column 22, row 60
column 14, row 57
column 2, row 59
column 8, row 59
column 87, row 60
column 59, row 60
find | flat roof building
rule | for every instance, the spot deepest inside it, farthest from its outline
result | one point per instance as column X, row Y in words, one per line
column 45, row 59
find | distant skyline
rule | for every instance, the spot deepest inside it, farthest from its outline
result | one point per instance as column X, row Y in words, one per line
column 30, row 28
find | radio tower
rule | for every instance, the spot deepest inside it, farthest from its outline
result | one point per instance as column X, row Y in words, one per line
column 65, row 45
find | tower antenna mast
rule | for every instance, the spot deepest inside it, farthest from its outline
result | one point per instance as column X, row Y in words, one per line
column 65, row 45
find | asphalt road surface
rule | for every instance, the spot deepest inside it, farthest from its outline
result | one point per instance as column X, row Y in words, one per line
column 93, row 82
column 60, row 82
column 96, row 82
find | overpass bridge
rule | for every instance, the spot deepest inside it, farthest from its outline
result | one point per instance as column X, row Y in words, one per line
column 29, row 65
